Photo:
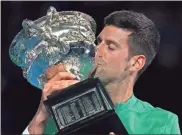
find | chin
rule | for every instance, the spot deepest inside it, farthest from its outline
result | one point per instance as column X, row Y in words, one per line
column 101, row 78
column 101, row 75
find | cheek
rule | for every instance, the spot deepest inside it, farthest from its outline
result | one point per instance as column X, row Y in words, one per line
column 118, row 60
column 113, row 61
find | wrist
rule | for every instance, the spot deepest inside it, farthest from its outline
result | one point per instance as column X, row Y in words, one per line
column 38, row 123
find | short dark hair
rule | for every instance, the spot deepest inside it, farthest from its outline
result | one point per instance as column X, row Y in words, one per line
column 145, row 37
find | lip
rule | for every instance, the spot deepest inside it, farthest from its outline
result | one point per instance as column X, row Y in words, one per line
column 98, row 63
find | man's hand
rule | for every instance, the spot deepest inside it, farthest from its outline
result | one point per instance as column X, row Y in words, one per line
column 58, row 79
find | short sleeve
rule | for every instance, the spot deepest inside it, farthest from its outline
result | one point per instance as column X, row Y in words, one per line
column 175, row 129
column 172, row 125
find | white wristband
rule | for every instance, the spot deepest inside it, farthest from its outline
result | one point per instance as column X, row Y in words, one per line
column 26, row 132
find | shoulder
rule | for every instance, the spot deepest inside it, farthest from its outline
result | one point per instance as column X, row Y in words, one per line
column 168, row 120
column 156, row 111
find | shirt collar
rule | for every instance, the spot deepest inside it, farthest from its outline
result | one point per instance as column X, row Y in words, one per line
column 129, row 103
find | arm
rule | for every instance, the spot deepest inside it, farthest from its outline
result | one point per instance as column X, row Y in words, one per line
column 35, row 127
column 38, row 123
column 58, row 79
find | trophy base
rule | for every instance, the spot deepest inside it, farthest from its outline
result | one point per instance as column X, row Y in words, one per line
column 102, row 126
column 84, row 108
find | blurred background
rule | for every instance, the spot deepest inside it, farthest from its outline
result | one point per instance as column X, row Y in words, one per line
column 159, row 85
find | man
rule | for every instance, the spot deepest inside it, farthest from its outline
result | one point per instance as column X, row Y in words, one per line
column 127, row 45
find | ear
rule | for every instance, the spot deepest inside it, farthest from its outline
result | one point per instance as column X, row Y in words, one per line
column 137, row 62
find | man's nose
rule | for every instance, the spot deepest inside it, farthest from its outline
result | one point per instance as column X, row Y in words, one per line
column 99, row 50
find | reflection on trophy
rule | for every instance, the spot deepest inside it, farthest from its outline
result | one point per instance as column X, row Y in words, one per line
column 66, row 37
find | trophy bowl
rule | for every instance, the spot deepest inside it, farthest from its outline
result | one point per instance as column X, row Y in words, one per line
column 59, row 37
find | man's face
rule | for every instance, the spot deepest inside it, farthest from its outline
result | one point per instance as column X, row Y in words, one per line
column 112, row 55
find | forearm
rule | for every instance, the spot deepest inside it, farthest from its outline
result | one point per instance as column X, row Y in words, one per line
column 37, row 125
column 33, row 130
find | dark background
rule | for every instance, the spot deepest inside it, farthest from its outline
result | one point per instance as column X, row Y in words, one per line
column 160, row 84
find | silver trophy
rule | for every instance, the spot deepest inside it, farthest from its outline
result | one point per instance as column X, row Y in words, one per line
column 59, row 37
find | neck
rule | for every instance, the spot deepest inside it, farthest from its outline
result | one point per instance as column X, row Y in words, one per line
column 120, row 92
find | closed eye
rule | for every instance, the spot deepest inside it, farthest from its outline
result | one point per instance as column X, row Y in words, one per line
column 111, row 45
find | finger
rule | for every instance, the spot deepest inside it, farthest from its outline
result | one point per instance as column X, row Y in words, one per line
column 61, row 67
column 62, row 76
column 111, row 133
column 58, row 86
column 62, row 85
column 49, row 84
column 53, row 70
